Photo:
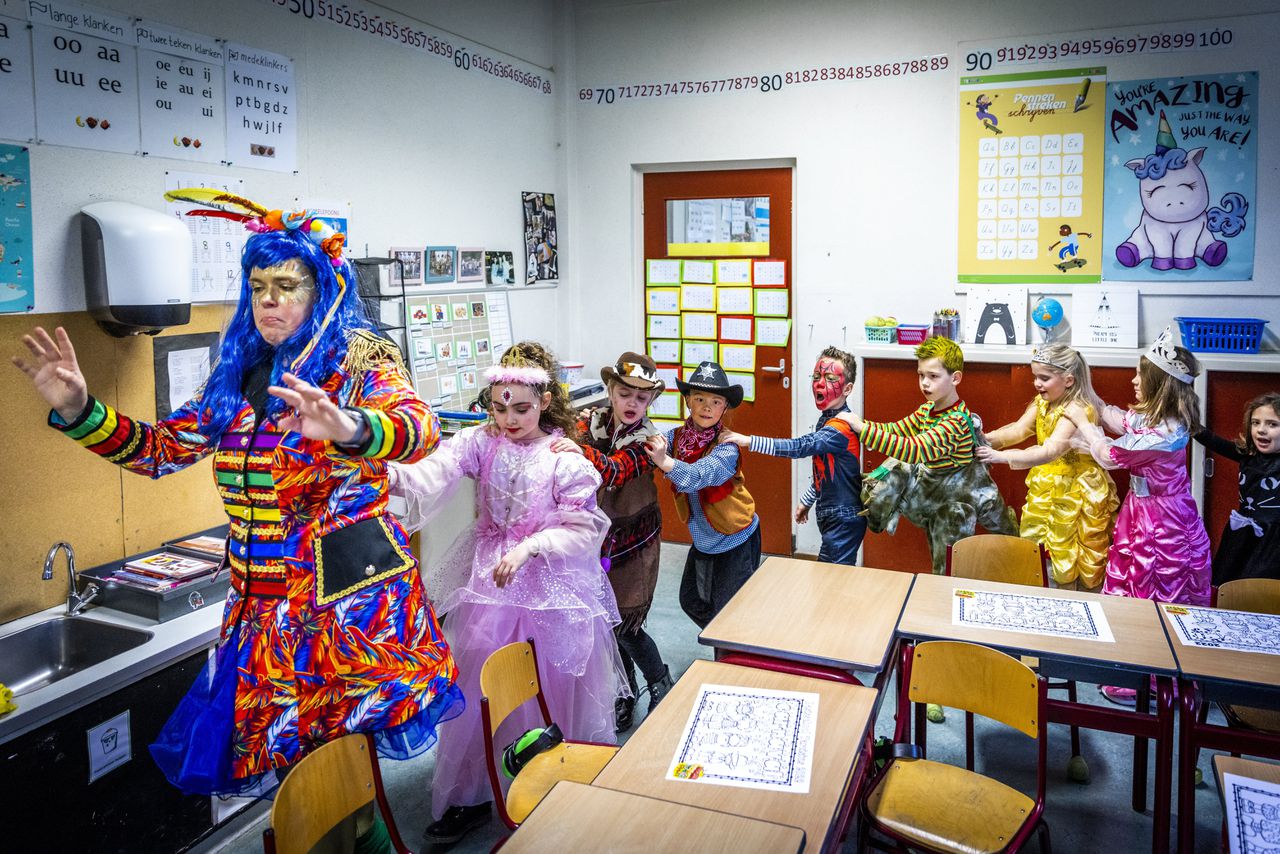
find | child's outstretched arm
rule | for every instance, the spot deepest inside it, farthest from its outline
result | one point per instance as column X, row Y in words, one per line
column 1014, row 432
column 1058, row 443
column 1218, row 445
column 719, row 464
column 573, row 531
column 835, row 435
column 949, row 438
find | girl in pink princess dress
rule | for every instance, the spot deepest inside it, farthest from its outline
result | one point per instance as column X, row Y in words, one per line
column 529, row 567
column 1160, row 549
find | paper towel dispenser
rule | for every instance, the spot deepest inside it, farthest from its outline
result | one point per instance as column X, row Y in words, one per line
column 137, row 268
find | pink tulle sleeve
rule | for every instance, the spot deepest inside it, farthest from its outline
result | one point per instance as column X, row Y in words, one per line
column 427, row 485
column 576, row 527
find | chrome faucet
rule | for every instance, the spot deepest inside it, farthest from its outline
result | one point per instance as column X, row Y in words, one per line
column 75, row 602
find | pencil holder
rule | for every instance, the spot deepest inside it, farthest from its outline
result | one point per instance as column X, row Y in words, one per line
column 947, row 326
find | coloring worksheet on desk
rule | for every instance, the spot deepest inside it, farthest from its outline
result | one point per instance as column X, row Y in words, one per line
column 751, row 737
column 1037, row 615
column 1215, row 628
column 1252, row 810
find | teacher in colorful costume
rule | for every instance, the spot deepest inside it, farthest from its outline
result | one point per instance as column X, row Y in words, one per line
column 326, row 630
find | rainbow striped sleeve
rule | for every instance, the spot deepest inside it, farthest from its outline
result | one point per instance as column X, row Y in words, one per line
column 402, row 426
column 940, row 442
column 150, row 449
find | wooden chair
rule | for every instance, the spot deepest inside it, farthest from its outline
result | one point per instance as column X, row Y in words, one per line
column 1261, row 596
column 1012, row 560
column 508, row 679
column 323, row 789
column 939, row 807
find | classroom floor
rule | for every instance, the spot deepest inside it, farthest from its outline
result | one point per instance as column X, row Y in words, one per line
column 1093, row 817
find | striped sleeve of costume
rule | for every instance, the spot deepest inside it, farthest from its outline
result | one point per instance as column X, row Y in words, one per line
column 909, row 426
column 402, row 426
column 942, row 441
column 153, row 450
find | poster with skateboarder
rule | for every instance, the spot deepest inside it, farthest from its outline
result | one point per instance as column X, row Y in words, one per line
column 1181, row 176
column 1031, row 170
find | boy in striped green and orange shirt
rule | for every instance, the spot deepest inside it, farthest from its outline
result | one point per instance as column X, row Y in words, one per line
column 938, row 435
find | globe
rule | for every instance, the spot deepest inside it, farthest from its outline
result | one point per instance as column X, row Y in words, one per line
column 1047, row 313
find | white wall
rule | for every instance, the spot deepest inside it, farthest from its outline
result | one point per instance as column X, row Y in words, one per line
column 425, row 154
column 875, row 162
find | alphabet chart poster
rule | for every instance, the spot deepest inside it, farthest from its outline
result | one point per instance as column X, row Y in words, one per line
column 1182, row 165
column 1031, row 158
column 756, row 738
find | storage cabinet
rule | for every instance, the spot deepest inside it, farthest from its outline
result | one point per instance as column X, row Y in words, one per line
column 50, row 805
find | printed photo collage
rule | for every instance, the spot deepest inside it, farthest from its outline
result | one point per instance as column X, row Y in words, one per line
column 451, row 345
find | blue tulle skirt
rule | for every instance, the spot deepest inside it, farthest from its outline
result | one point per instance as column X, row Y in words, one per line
column 195, row 746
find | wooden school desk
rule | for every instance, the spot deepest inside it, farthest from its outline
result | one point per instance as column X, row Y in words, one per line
column 1224, row 675
column 578, row 817
column 844, row 713
column 1223, row 764
column 1140, row 649
column 837, row 617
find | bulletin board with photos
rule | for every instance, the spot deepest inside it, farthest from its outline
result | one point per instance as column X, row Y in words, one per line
column 453, row 337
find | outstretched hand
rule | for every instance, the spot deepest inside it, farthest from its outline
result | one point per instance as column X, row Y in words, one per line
column 314, row 414
column 565, row 445
column 55, row 372
column 853, row 420
column 989, row 455
column 656, row 448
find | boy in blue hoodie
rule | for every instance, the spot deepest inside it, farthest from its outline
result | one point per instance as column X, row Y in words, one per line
column 837, row 480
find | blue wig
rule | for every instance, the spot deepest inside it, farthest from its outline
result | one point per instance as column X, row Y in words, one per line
column 243, row 346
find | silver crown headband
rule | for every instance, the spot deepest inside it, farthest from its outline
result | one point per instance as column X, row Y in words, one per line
column 1165, row 357
column 1037, row 355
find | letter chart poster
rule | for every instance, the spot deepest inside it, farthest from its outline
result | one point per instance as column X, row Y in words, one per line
column 1031, row 168
column 262, row 102
column 1181, row 173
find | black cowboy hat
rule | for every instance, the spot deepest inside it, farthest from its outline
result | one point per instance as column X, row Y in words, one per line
column 635, row 370
column 709, row 376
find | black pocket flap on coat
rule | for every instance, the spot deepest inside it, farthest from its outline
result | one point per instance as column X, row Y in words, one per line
column 355, row 557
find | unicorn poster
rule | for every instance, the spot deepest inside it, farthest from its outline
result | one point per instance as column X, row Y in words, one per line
column 1181, row 178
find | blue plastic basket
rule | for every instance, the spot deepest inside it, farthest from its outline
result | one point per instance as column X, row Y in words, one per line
column 1221, row 334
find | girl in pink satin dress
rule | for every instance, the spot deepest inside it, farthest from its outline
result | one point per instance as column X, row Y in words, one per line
column 1160, row 548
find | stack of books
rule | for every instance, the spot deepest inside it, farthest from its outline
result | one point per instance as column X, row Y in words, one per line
column 203, row 546
column 162, row 571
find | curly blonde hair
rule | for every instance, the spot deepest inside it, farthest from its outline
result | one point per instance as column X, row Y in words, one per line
column 559, row 414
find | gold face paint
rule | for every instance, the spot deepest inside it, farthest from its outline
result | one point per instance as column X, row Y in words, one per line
column 289, row 283
column 283, row 296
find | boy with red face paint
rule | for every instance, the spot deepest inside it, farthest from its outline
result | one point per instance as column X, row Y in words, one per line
column 837, row 480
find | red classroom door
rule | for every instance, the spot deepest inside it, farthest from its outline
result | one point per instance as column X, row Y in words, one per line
column 768, row 478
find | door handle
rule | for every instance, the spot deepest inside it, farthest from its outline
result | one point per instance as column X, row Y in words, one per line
column 782, row 366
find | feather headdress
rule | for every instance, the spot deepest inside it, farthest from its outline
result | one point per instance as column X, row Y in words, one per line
column 258, row 219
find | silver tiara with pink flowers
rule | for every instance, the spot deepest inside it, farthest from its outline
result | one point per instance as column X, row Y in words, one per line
column 1163, row 355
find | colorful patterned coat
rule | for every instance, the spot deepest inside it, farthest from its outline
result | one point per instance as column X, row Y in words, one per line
column 335, row 634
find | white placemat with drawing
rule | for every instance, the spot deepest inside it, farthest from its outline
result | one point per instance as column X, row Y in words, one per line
column 1253, row 814
column 1217, row 628
column 1037, row 615
column 751, row 737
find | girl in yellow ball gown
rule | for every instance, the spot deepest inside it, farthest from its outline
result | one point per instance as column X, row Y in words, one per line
column 1071, row 500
